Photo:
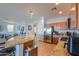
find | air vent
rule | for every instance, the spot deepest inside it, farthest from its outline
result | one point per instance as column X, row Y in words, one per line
column 53, row 8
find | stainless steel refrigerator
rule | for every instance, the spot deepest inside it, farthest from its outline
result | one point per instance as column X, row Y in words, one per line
column 48, row 34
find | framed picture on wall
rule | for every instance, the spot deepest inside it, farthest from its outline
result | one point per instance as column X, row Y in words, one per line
column 22, row 28
column 29, row 27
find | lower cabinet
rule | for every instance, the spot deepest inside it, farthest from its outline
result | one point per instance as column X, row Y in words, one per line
column 31, row 51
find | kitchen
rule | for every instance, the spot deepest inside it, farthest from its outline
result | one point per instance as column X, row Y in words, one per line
column 38, row 29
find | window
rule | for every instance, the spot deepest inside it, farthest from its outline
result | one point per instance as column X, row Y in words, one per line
column 10, row 28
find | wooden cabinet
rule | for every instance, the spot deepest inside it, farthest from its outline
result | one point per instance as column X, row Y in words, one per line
column 55, row 39
column 33, row 51
column 28, row 44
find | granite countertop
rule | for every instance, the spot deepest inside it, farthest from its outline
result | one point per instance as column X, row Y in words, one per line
column 17, row 40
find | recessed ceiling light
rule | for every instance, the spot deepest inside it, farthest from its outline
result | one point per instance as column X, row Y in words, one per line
column 73, row 9
column 57, row 3
column 60, row 12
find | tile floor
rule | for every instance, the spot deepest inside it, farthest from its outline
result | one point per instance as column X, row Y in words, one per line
column 46, row 49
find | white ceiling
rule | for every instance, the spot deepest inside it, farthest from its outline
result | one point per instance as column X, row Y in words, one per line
column 19, row 12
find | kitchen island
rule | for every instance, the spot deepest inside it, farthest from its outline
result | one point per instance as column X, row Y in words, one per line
column 18, row 43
